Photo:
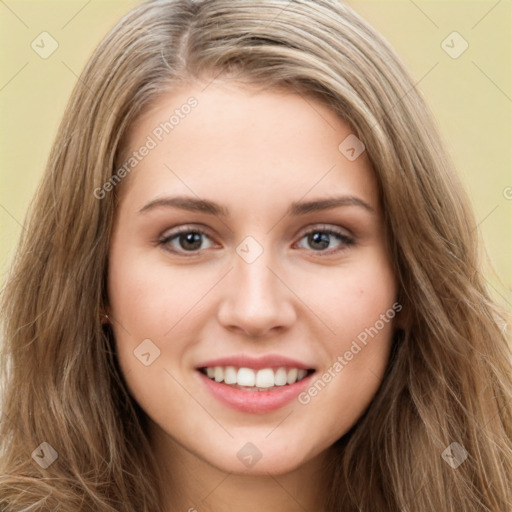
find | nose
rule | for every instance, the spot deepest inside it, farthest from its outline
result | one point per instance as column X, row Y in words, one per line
column 256, row 300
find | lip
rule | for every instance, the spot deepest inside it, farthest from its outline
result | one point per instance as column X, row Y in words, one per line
column 256, row 363
column 255, row 402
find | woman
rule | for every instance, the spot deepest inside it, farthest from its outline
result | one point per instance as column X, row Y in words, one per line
column 253, row 368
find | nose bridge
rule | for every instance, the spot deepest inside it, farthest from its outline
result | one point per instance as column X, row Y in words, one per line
column 257, row 300
column 255, row 280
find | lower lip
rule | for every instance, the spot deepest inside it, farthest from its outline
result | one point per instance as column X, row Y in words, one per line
column 255, row 401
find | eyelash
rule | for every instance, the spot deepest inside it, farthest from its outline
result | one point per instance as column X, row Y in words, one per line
column 346, row 240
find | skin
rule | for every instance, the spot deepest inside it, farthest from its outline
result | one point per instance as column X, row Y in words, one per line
column 254, row 153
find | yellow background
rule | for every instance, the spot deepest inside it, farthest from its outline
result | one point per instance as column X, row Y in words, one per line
column 471, row 97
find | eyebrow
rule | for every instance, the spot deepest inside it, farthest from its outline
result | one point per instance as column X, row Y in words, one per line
column 210, row 207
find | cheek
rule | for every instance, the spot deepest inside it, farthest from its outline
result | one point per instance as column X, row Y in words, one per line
column 359, row 309
column 142, row 297
column 144, row 309
column 354, row 298
column 136, row 310
column 151, row 301
column 345, row 388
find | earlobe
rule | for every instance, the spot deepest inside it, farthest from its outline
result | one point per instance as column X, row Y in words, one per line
column 104, row 319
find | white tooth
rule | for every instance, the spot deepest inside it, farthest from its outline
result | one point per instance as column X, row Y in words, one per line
column 291, row 377
column 301, row 374
column 265, row 378
column 210, row 371
column 219, row 374
column 245, row 377
column 280, row 377
column 230, row 375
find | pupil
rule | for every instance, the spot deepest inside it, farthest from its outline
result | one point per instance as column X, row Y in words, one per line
column 321, row 238
column 192, row 238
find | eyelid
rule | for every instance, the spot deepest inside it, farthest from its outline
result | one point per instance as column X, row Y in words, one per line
column 203, row 229
column 184, row 228
column 178, row 230
column 325, row 227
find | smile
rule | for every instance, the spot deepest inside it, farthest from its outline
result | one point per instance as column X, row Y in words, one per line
column 248, row 379
column 256, row 385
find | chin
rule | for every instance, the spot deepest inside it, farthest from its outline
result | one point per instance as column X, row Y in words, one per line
column 259, row 456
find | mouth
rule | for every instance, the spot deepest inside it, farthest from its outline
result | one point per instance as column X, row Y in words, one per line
column 261, row 380
column 256, row 385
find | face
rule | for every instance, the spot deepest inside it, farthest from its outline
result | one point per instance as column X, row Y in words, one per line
column 254, row 329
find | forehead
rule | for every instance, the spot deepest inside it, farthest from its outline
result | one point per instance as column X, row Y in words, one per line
column 235, row 140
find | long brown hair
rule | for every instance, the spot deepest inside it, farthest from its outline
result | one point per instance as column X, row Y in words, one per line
column 449, row 379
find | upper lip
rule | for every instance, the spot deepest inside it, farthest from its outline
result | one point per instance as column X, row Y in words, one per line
column 256, row 363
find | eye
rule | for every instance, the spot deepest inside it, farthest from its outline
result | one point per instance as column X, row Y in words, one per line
column 188, row 239
column 321, row 237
